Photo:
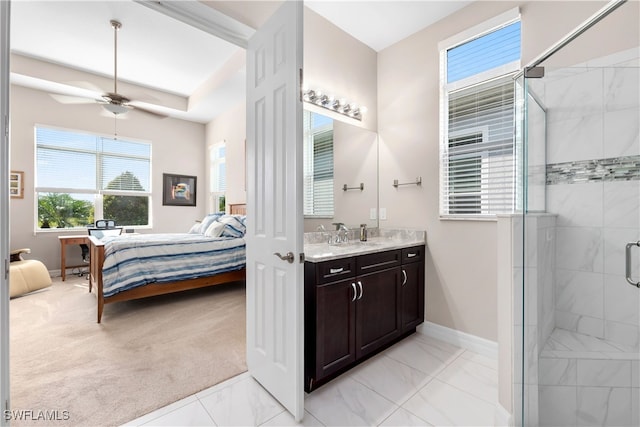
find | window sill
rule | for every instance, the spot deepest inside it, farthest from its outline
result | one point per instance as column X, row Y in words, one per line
column 483, row 218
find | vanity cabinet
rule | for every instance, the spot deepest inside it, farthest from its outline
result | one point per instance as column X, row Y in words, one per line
column 356, row 306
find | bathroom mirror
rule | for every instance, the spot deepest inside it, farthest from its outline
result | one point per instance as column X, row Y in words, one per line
column 338, row 154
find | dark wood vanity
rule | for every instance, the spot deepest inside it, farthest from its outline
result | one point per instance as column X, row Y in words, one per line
column 358, row 305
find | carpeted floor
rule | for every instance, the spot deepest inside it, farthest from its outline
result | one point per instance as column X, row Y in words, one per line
column 145, row 354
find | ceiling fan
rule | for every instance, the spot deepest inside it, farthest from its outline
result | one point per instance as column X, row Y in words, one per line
column 113, row 102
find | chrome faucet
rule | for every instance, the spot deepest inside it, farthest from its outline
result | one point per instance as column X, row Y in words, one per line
column 342, row 235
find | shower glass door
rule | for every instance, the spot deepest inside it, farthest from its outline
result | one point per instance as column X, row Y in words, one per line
column 581, row 324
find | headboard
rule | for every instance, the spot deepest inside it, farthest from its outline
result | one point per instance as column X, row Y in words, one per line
column 238, row 209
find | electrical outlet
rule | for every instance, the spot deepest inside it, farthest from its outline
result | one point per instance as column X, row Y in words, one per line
column 383, row 214
column 372, row 213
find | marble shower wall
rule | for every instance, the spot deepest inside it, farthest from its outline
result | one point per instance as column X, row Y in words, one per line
column 593, row 186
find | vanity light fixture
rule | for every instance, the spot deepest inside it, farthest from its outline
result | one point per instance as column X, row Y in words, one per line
column 338, row 105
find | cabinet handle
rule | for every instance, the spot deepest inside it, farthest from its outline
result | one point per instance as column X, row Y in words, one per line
column 336, row 270
column 411, row 255
column 353, row 285
column 404, row 277
column 361, row 291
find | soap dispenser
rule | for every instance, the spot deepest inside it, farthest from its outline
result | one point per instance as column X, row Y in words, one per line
column 363, row 232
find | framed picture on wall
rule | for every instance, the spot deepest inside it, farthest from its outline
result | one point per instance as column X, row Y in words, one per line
column 178, row 190
column 16, row 184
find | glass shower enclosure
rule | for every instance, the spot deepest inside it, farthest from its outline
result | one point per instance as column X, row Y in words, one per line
column 579, row 324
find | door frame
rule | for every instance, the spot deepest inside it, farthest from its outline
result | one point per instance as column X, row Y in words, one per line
column 5, row 9
column 192, row 13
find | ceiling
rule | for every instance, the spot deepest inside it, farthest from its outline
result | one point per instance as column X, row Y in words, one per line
column 167, row 66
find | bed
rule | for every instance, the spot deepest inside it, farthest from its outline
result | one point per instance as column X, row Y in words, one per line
column 133, row 266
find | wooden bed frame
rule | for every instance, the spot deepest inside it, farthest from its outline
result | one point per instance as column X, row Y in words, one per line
column 96, row 253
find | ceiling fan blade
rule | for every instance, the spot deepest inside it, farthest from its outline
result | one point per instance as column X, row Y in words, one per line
column 86, row 85
column 146, row 111
column 70, row 99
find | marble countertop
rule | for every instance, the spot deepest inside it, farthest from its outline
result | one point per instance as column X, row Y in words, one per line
column 385, row 241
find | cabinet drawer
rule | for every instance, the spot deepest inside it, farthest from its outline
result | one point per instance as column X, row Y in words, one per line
column 334, row 270
column 378, row 261
column 413, row 254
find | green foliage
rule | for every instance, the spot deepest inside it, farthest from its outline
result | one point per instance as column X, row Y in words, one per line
column 126, row 210
column 60, row 210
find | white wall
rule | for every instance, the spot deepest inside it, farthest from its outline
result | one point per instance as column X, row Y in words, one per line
column 177, row 147
column 461, row 264
column 333, row 61
column 231, row 128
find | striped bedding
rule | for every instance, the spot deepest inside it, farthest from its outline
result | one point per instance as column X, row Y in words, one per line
column 138, row 259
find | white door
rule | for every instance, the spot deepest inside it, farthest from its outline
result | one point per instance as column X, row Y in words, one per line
column 4, row 209
column 275, row 321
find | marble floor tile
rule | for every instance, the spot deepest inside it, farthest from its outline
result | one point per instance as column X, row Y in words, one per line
column 472, row 377
column 162, row 411
column 442, row 404
column 489, row 362
column 428, row 356
column 346, row 402
column 286, row 419
column 243, row 403
column 402, row 417
column 192, row 414
column 390, row 378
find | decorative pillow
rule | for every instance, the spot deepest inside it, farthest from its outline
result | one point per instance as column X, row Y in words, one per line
column 233, row 225
column 208, row 220
column 196, row 228
column 215, row 229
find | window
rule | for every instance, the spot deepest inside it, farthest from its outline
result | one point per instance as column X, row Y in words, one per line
column 477, row 150
column 81, row 177
column 318, row 165
column 218, row 176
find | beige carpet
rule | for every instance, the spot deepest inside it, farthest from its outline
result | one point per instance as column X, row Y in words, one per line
column 145, row 354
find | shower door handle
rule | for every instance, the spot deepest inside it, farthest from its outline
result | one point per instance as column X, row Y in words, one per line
column 628, row 263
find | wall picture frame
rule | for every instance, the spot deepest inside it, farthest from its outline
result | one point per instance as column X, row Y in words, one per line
column 16, row 184
column 178, row 190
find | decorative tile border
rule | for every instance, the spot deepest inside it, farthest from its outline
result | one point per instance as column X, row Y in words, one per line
column 612, row 169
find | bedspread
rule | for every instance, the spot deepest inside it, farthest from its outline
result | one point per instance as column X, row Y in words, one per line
column 138, row 259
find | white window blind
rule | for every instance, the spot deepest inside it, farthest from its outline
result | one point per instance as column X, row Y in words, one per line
column 318, row 165
column 218, row 176
column 477, row 163
column 81, row 177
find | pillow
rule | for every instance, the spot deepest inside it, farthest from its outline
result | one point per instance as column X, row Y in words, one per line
column 206, row 222
column 215, row 229
column 233, row 225
column 196, row 228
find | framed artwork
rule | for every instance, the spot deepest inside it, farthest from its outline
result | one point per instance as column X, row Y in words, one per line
column 178, row 190
column 16, row 184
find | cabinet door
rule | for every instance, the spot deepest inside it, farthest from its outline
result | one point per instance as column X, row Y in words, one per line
column 378, row 316
column 412, row 311
column 336, row 315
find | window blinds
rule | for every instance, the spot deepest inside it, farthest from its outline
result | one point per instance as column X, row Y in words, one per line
column 477, row 164
column 478, row 157
column 318, row 165
column 84, row 163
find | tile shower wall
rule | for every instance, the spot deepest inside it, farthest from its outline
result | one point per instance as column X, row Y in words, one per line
column 593, row 185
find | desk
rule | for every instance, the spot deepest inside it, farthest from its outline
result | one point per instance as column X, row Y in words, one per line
column 70, row 240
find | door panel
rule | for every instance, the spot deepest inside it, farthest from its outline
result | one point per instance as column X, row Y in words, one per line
column 275, row 291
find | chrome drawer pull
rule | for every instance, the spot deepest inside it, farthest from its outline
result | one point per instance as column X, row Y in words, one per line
column 404, row 277
column 353, row 285
column 361, row 291
column 411, row 255
column 336, row 270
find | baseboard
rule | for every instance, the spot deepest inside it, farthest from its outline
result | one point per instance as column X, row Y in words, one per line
column 502, row 417
column 55, row 273
column 461, row 339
